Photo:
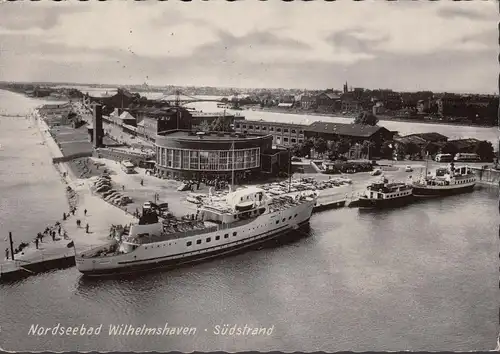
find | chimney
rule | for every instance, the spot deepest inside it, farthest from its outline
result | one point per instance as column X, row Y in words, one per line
column 97, row 126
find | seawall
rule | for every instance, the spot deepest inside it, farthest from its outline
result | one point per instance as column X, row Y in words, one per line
column 487, row 176
column 24, row 270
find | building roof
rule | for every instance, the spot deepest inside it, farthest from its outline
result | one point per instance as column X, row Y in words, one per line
column 354, row 130
column 267, row 122
column 411, row 139
column 464, row 143
column 126, row 115
column 213, row 136
column 330, row 95
column 431, row 136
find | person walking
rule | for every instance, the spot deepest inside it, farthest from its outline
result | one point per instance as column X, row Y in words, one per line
column 6, row 253
column 85, row 212
column 36, row 242
column 87, row 228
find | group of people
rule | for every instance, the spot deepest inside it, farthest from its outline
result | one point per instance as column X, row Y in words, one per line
column 51, row 231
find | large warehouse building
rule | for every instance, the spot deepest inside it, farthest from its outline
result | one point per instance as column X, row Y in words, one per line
column 188, row 155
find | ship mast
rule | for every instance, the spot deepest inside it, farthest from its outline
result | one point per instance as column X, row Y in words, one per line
column 426, row 164
column 232, row 167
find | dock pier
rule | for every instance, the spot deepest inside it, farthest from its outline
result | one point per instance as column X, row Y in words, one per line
column 334, row 204
column 17, row 270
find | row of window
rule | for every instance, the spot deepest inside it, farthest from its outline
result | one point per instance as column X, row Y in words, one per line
column 286, row 140
column 264, row 128
column 464, row 181
column 209, row 239
column 217, row 238
column 214, row 160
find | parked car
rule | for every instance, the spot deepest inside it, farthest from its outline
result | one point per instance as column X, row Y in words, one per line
column 408, row 169
column 376, row 172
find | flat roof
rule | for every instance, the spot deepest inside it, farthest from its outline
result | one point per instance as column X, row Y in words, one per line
column 186, row 135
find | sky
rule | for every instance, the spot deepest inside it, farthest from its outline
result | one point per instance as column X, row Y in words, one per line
column 402, row 45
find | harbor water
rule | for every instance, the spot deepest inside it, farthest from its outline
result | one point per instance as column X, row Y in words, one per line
column 423, row 277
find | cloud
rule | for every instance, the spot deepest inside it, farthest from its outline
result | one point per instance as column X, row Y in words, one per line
column 356, row 40
column 22, row 15
column 296, row 44
column 457, row 12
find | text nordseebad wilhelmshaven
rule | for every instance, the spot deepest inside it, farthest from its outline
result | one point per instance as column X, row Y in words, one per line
column 113, row 330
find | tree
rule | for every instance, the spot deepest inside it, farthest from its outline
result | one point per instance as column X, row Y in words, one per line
column 297, row 150
column 307, row 146
column 431, row 148
column 401, row 150
column 387, row 149
column 449, row 148
column 366, row 118
column 320, row 145
column 413, row 149
column 204, row 126
column 343, row 146
column 221, row 124
column 485, row 150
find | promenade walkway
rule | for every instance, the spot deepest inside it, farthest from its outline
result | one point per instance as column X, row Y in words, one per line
column 100, row 216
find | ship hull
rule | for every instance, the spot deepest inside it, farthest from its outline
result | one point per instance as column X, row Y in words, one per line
column 365, row 203
column 194, row 259
column 425, row 192
column 153, row 256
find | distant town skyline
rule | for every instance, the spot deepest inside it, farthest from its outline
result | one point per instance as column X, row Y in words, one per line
column 403, row 46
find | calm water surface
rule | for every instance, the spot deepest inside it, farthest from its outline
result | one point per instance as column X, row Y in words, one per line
column 422, row 277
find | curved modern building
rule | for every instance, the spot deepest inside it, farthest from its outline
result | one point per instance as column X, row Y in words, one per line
column 190, row 155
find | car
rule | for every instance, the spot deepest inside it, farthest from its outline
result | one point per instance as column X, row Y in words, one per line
column 408, row 169
column 376, row 172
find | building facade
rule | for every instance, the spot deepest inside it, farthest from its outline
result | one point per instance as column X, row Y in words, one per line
column 283, row 134
column 189, row 155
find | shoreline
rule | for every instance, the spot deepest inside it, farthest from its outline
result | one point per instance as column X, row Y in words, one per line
column 380, row 118
column 80, row 201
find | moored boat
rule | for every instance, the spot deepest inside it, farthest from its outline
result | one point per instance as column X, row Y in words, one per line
column 383, row 194
column 247, row 217
column 445, row 181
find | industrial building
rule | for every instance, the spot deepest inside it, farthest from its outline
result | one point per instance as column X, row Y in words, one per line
column 284, row 134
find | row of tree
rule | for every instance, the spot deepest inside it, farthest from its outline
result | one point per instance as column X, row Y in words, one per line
column 388, row 149
column 484, row 149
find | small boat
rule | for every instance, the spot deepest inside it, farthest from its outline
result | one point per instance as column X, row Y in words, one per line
column 383, row 194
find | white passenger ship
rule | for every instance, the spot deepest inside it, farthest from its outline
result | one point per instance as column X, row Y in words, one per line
column 445, row 181
column 245, row 218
